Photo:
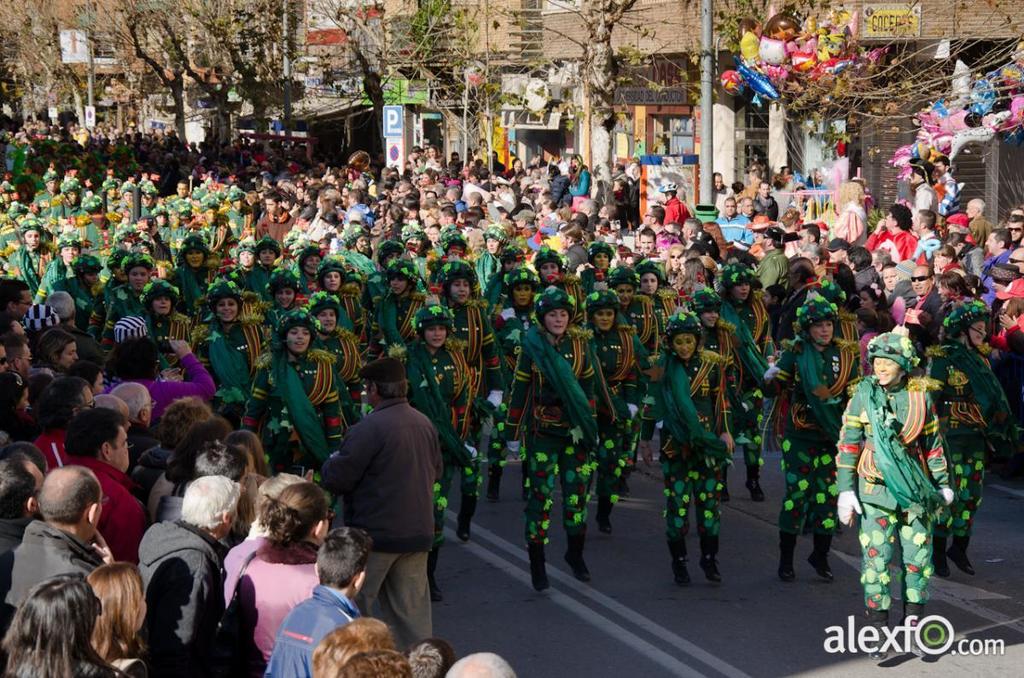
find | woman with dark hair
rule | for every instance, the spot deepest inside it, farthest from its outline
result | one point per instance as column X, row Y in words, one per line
column 91, row 372
column 181, row 467
column 14, row 416
column 138, row 360
column 63, row 611
column 282, row 572
column 58, row 404
column 56, row 350
column 174, row 425
column 116, row 635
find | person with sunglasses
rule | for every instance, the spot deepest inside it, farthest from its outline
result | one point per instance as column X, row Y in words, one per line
column 977, row 424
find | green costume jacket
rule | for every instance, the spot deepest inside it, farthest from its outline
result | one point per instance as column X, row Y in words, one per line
column 230, row 357
column 192, row 282
column 30, row 267
column 85, row 299
column 839, row 368
column 535, row 403
column 473, row 329
column 56, row 272
column 124, row 302
column 448, row 369
column 509, row 327
column 619, row 352
column 913, row 407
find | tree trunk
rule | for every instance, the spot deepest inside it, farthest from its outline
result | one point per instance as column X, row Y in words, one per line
column 79, row 106
column 374, row 90
column 600, row 70
column 178, row 94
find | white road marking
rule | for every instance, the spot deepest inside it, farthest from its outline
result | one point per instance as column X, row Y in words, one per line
column 959, row 595
column 1008, row 490
column 635, row 619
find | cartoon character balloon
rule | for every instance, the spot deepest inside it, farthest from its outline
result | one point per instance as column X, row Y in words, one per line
column 732, row 82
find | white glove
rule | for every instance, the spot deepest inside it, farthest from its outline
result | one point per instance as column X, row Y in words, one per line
column 472, row 451
column 508, row 314
column 494, row 398
column 848, row 504
column 658, row 425
column 947, row 495
column 512, row 446
column 633, row 409
column 771, row 373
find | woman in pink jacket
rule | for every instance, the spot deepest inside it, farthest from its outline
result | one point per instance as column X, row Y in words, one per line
column 282, row 572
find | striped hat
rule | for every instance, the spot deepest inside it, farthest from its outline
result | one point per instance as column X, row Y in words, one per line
column 40, row 317
column 132, row 327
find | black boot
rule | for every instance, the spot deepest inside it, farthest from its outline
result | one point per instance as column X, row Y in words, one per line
column 958, row 554
column 435, row 590
column 622, row 487
column 678, row 551
column 753, row 482
column 604, row 512
column 708, row 551
column 574, row 556
column 724, row 495
column 537, row 572
column 939, row 557
column 819, row 556
column 880, row 620
column 915, row 610
column 494, row 472
column 787, row 544
column 466, row 511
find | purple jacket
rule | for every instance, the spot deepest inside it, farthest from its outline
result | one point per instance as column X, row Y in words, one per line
column 198, row 383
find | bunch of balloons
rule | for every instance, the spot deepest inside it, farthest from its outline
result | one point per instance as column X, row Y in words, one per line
column 784, row 54
column 979, row 109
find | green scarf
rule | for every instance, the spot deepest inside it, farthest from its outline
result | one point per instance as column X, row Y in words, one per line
column 359, row 261
column 988, row 393
column 387, row 318
column 230, row 366
column 191, row 288
column 903, row 476
column 827, row 413
column 559, row 374
column 680, row 414
column 487, row 266
column 289, row 388
column 427, row 398
column 753, row 361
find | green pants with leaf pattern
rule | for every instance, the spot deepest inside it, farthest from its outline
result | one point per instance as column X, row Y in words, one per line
column 809, row 469
column 969, row 479
column 879, row 529
column 690, row 480
column 550, row 459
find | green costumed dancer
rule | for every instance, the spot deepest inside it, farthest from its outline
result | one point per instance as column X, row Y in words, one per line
column 976, row 422
column 126, row 300
column 618, row 351
column 494, row 292
column 193, row 274
column 308, row 262
column 334, row 277
column 553, row 405
column 283, row 289
column 229, row 346
column 892, row 471
column 30, row 261
column 691, row 408
column 654, row 286
column 69, row 246
column 488, row 263
column 816, row 369
column 116, row 277
column 471, row 327
column 397, row 309
column 550, row 267
column 294, row 403
column 439, row 387
column 377, row 282
column 744, row 309
column 268, row 251
column 84, row 288
column 595, row 277
column 846, row 322
column 336, row 336
column 510, row 326
column 163, row 322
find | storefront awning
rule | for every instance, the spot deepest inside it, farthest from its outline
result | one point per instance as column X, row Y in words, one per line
column 525, row 120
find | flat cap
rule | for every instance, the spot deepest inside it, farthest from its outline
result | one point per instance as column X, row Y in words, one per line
column 384, row 370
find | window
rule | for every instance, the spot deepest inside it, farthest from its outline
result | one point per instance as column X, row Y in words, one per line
column 672, row 135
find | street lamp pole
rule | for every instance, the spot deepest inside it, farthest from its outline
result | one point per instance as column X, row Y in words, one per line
column 707, row 77
column 287, row 69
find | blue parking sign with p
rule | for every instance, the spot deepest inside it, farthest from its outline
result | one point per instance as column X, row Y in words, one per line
column 393, row 121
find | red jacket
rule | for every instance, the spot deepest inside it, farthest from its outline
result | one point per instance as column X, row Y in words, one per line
column 123, row 520
column 675, row 211
column 905, row 242
column 51, row 443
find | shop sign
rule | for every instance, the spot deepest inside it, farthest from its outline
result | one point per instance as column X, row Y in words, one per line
column 895, row 20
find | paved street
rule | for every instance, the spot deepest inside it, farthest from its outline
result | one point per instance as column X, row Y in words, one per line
column 632, row 620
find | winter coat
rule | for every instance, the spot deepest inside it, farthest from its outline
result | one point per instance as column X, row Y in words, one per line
column 304, row 627
column 181, row 567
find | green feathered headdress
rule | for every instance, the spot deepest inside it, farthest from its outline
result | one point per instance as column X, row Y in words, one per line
column 684, row 322
column 815, row 309
column 895, row 347
column 86, row 263
column 431, row 316
column 623, row 275
column 705, row 299
column 322, row 301
column 155, row 289
column 964, row 315
column 599, row 247
column 603, row 299
column 552, row 299
column 651, row 266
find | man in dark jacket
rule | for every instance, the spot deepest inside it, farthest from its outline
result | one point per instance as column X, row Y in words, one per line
column 181, row 565
column 68, row 542
column 341, row 566
column 20, row 480
column 385, row 471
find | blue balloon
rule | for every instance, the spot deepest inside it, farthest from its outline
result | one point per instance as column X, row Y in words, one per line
column 757, row 81
column 939, row 108
column 983, row 97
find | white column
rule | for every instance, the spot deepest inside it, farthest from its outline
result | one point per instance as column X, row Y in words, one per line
column 778, row 153
column 725, row 141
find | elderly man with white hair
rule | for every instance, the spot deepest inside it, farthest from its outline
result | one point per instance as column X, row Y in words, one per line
column 181, row 565
column 481, row 665
column 140, row 415
column 63, row 305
